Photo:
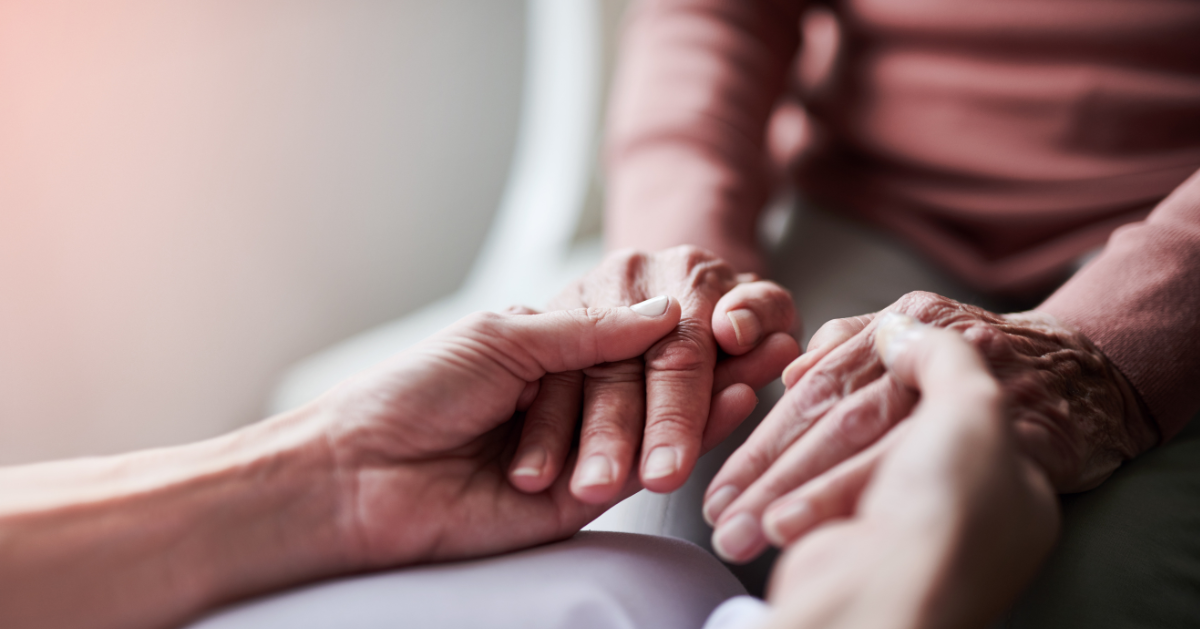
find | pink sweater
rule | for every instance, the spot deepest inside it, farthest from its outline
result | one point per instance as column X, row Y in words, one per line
column 1004, row 139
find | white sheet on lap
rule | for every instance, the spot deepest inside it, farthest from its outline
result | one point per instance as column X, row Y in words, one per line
column 596, row 579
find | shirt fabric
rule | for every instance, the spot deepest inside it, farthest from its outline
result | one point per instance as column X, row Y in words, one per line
column 1002, row 139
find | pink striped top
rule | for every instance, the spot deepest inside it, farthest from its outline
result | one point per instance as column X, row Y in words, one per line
column 1004, row 139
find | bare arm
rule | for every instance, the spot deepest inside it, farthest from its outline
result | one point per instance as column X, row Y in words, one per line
column 404, row 463
column 155, row 537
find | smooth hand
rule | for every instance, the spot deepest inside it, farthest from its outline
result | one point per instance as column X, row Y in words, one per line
column 1072, row 411
column 941, row 523
column 421, row 444
column 659, row 411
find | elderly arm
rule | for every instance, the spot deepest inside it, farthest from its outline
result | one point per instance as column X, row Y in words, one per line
column 687, row 175
column 1101, row 372
column 696, row 85
column 1139, row 302
column 942, row 523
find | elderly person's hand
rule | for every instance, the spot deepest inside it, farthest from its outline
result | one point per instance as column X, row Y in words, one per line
column 405, row 462
column 1072, row 411
column 941, row 523
column 686, row 393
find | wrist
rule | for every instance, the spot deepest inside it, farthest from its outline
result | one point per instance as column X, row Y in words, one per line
column 250, row 511
column 1102, row 410
column 744, row 256
column 281, row 508
column 664, row 198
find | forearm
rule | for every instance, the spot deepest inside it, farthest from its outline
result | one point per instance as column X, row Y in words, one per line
column 1139, row 302
column 155, row 537
column 650, row 212
column 686, row 158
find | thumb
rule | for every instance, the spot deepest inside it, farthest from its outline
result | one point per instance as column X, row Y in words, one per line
column 579, row 338
column 935, row 361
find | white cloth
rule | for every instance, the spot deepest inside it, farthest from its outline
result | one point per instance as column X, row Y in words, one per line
column 743, row 611
column 593, row 580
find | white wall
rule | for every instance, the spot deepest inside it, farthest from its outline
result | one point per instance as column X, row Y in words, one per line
column 195, row 193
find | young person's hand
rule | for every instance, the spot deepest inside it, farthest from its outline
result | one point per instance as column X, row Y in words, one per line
column 941, row 523
column 406, row 462
column 423, row 444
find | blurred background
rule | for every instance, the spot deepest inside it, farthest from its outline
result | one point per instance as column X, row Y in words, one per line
column 195, row 195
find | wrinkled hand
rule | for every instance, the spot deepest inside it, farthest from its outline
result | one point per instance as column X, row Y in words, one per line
column 1072, row 411
column 680, row 398
column 941, row 523
column 421, row 444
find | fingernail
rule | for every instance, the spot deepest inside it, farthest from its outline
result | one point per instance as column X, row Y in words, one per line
column 893, row 333
column 737, row 538
column 531, row 463
column 791, row 373
column 746, row 326
column 718, row 502
column 653, row 307
column 662, row 462
column 783, row 523
column 596, row 470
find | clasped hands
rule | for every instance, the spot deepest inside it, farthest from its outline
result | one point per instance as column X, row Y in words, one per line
column 464, row 446
column 470, row 438
column 512, row 429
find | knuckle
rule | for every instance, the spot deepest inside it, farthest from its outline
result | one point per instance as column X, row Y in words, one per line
column 858, row 427
column 617, row 280
column 842, row 436
column 779, row 296
column 690, row 254
column 625, row 264
column 987, row 339
column 836, row 328
column 924, row 305
column 626, row 257
column 683, row 351
column 821, row 390
column 483, row 322
column 758, row 461
column 673, row 426
column 606, row 431
column 767, row 298
column 701, row 268
column 710, row 275
column 972, row 322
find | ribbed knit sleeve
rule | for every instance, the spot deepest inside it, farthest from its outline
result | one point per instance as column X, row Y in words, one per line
column 694, row 90
column 1139, row 301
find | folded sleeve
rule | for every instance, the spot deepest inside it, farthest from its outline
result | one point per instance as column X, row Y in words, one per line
column 1139, row 302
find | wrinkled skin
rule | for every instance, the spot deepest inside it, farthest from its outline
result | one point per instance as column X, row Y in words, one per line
column 657, row 413
column 1073, row 413
column 941, row 523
